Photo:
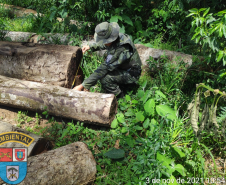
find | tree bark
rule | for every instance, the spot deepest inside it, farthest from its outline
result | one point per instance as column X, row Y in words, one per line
column 72, row 164
column 51, row 64
column 38, row 146
column 83, row 106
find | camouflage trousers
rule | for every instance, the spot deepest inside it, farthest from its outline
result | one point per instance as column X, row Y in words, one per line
column 112, row 81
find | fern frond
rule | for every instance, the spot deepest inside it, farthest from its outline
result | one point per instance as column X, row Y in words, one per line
column 222, row 115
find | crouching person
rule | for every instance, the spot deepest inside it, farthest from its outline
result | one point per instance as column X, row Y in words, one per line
column 122, row 65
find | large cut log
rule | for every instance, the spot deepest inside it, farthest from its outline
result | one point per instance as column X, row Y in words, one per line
column 35, row 147
column 51, row 64
column 84, row 106
column 72, row 164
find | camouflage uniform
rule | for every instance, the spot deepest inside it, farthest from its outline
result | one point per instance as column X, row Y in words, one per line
column 122, row 65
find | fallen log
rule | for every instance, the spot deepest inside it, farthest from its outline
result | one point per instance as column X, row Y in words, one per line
column 83, row 106
column 39, row 145
column 72, row 164
column 51, row 64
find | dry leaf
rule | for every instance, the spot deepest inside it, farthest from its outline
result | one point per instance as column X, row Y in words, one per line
column 205, row 117
column 216, row 91
column 195, row 113
column 117, row 144
column 207, row 93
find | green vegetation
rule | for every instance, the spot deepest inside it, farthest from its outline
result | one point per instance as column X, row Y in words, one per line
column 158, row 132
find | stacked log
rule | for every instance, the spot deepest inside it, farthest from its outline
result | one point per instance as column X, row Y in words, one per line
column 50, row 64
column 83, row 106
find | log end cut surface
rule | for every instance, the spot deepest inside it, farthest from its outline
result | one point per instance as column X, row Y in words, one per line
column 72, row 164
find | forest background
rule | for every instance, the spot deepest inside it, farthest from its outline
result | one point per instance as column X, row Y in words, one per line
column 159, row 132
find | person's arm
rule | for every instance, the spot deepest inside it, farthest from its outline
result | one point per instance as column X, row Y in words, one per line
column 99, row 73
column 97, row 46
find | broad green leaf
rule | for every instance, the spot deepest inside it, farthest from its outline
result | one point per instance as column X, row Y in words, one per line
column 138, row 127
column 180, row 169
column 138, row 25
column 144, row 84
column 220, row 31
column 201, row 20
column 206, row 12
column 224, row 60
column 166, row 161
column 127, row 20
column 140, row 93
column 194, row 10
column 197, row 21
column 121, row 119
column 202, row 9
column 220, row 54
column 152, row 125
column 134, row 101
column 115, row 18
column 115, row 154
column 172, row 180
column 128, row 98
column 160, row 94
column 146, row 96
column 146, row 123
column 114, row 123
column 197, row 39
column 98, row 168
column 122, row 29
column 190, row 14
column 129, row 112
column 179, row 152
column 140, row 116
column 52, row 15
column 164, row 110
column 224, row 30
column 130, row 142
column 124, row 130
column 153, row 122
column 149, row 107
column 221, row 13
column 210, row 19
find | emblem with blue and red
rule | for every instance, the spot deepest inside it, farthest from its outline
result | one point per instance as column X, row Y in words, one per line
column 13, row 161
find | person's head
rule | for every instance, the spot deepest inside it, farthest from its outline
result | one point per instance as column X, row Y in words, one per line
column 106, row 33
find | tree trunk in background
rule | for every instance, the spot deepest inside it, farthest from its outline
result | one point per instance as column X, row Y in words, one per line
column 38, row 146
column 83, row 106
column 72, row 164
column 51, row 64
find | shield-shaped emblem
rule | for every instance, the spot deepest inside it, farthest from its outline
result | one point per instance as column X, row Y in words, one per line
column 20, row 154
column 12, row 172
column 13, row 164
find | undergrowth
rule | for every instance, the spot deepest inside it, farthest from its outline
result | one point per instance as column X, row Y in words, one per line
column 148, row 140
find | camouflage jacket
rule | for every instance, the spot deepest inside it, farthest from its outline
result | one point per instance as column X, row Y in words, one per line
column 122, row 54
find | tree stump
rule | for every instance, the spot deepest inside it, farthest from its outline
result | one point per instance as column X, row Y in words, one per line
column 89, row 107
column 50, row 64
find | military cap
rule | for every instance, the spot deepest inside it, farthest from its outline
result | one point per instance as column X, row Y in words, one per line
column 106, row 32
